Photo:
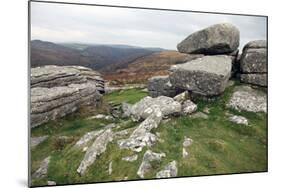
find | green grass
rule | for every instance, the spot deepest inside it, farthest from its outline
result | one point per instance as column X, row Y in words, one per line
column 130, row 96
column 219, row 146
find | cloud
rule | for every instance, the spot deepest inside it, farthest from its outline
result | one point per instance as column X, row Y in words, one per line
column 147, row 28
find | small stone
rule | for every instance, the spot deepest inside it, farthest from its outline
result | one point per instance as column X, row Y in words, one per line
column 187, row 142
column 147, row 158
column 169, row 171
column 206, row 110
column 182, row 97
column 189, row 107
column 51, row 183
column 199, row 115
column 130, row 158
column 238, row 120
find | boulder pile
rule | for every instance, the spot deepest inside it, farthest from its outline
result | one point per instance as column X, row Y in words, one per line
column 208, row 74
column 60, row 90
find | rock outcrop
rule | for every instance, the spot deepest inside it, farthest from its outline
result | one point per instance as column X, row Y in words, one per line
column 253, row 63
column 54, row 76
column 58, row 91
column 206, row 76
column 245, row 98
column 216, row 39
column 97, row 148
column 142, row 136
column 160, row 86
column 146, row 106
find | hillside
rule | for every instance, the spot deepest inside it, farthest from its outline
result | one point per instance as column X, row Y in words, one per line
column 145, row 67
column 98, row 57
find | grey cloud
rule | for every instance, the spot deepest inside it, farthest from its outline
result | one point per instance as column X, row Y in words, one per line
column 148, row 28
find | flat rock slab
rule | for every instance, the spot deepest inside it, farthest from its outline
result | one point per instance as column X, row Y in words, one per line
column 54, row 76
column 52, row 103
column 37, row 140
column 206, row 76
column 216, row 39
column 141, row 136
column 169, row 170
column 255, row 79
column 89, row 136
column 238, row 120
column 130, row 158
column 245, row 98
column 97, row 148
column 146, row 106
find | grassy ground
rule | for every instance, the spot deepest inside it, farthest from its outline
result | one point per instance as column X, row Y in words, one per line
column 219, row 146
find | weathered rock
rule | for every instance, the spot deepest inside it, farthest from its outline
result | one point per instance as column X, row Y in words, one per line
column 34, row 141
column 146, row 106
column 52, row 103
column 216, row 39
column 238, row 120
column 141, row 136
column 254, row 61
column 170, row 170
column 160, row 86
column 199, row 115
column 97, row 148
column 57, row 76
column 182, row 97
column 126, row 108
column 147, row 158
column 248, row 99
column 206, row 76
column 84, row 140
column 255, row 44
column 255, row 79
column 41, row 172
column 130, row 158
column 188, row 107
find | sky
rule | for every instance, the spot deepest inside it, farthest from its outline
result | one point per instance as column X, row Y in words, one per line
column 137, row 27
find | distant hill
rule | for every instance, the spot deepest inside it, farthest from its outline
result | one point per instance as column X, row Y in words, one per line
column 96, row 56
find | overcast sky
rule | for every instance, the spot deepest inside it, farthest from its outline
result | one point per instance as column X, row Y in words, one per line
column 145, row 28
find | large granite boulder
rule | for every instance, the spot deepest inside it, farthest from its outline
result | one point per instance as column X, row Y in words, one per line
column 216, row 39
column 160, row 86
column 205, row 76
column 253, row 63
column 255, row 79
column 53, row 76
column 57, row 91
column 254, row 57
